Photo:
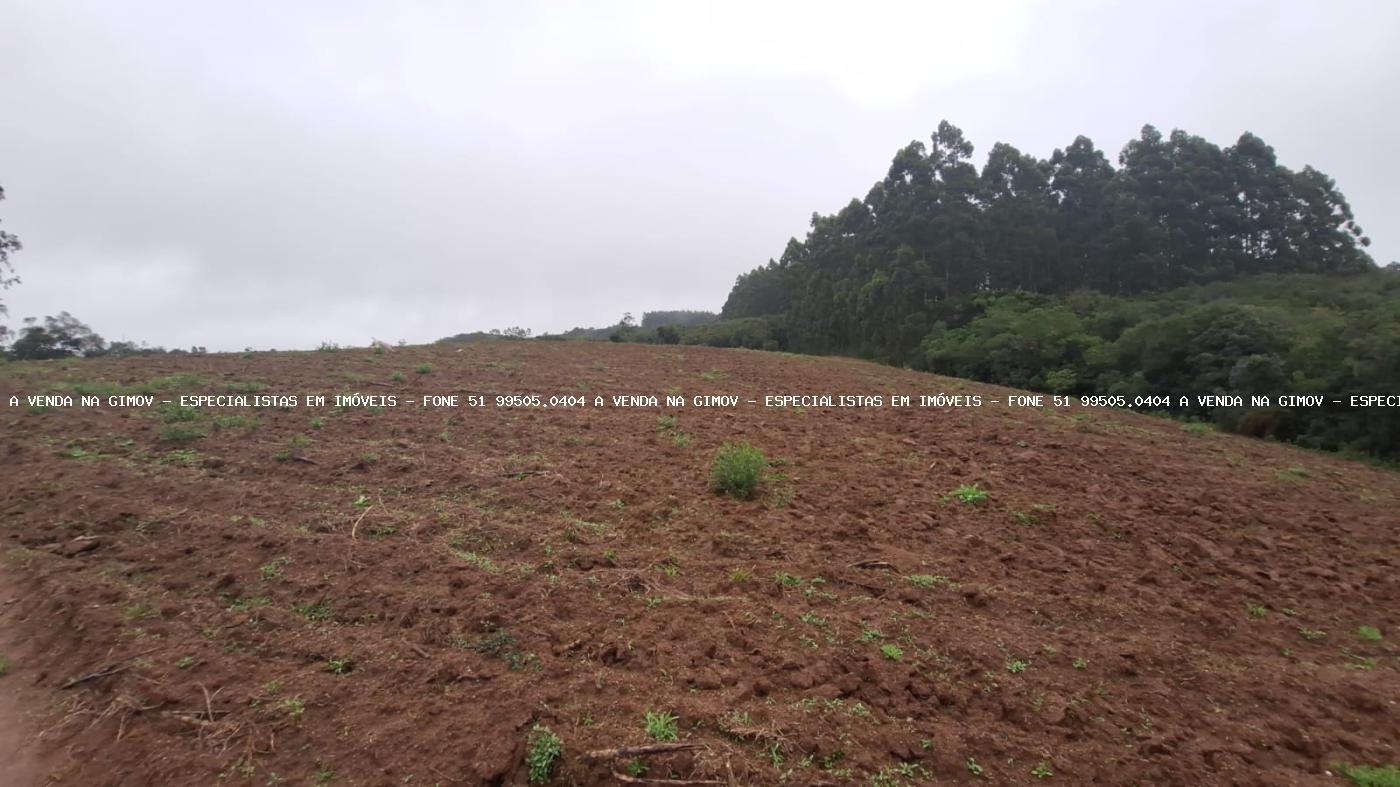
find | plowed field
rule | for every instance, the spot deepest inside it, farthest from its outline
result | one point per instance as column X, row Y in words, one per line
column 390, row 596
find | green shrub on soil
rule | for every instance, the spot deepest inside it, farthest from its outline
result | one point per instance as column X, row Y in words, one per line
column 737, row 470
column 1371, row 776
column 544, row 748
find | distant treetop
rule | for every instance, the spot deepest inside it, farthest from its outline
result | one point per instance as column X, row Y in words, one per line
column 680, row 318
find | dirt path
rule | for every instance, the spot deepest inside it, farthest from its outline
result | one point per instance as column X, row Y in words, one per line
column 21, row 763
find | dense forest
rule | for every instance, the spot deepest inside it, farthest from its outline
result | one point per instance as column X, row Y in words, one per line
column 1186, row 269
column 872, row 279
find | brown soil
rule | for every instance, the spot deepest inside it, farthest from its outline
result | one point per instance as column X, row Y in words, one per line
column 1133, row 603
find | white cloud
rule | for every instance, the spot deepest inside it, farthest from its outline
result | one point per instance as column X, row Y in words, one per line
column 871, row 53
column 280, row 174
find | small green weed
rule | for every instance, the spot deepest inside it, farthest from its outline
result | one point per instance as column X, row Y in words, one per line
column 183, row 433
column 502, row 644
column 892, row 651
column 969, row 495
column 138, row 611
column 294, row 707
column 480, row 561
column 319, row 611
column 898, row 775
column 542, row 750
column 661, row 726
column 787, row 580
column 295, row 448
column 273, row 569
column 1369, row 633
column 184, row 457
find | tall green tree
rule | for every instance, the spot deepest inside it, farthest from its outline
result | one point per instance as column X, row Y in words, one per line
column 57, row 337
column 1080, row 176
column 8, row 244
column 1263, row 189
column 1020, row 240
column 957, row 245
column 1320, row 232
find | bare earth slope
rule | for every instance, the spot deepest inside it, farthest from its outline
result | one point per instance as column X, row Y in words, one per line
column 396, row 597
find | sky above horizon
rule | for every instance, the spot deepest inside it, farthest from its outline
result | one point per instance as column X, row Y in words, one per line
column 280, row 175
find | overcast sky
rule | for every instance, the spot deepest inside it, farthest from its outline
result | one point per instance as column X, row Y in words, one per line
column 274, row 174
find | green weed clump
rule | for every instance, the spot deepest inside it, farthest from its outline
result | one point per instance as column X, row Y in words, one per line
column 661, row 726
column 1369, row 633
column 1370, row 775
column 543, row 750
column 970, row 495
column 182, row 433
column 737, row 470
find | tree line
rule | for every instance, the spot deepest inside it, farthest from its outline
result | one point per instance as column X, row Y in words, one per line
column 1187, row 268
column 1266, row 335
column 1177, row 210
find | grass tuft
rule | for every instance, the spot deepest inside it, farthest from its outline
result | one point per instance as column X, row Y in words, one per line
column 737, row 470
column 661, row 726
column 1371, row 775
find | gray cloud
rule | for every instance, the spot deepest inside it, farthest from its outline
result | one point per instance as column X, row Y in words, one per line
column 273, row 174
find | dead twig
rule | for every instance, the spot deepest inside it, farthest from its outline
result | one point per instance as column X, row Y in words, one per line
column 640, row 751
column 102, row 673
column 356, row 526
column 202, row 724
column 872, row 564
column 208, row 702
column 624, row 778
column 193, row 714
